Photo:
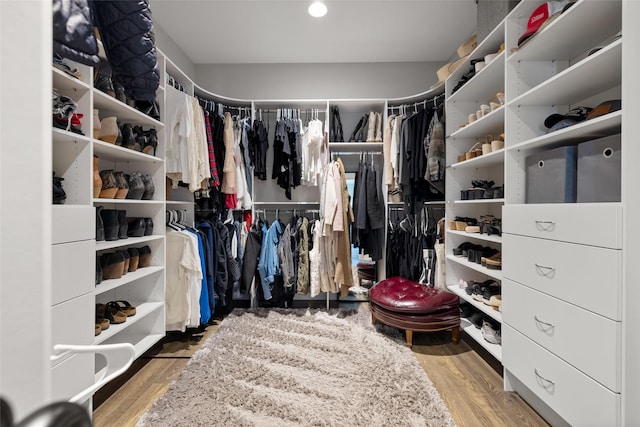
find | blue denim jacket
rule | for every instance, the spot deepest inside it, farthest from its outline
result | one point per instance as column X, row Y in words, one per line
column 269, row 263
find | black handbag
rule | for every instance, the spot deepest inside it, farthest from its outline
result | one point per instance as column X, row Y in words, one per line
column 336, row 134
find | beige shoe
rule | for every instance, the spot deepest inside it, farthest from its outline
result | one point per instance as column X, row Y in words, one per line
column 371, row 131
column 109, row 130
column 378, row 127
column 496, row 302
column 96, row 125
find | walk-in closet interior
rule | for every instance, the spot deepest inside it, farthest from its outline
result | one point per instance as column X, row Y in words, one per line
column 216, row 157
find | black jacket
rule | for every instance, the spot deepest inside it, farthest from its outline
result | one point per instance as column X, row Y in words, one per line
column 73, row 35
column 126, row 31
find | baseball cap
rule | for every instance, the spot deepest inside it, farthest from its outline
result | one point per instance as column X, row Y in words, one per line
column 576, row 115
column 605, row 108
column 547, row 11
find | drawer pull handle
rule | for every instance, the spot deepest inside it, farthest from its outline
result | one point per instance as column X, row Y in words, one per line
column 545, row 225
column 548, row 325
column 548, row 382
column 544, row 270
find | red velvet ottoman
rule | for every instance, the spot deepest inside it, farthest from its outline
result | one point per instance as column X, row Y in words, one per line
column 411, row 306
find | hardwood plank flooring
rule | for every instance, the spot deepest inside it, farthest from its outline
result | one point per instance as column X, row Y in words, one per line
column 470, row 384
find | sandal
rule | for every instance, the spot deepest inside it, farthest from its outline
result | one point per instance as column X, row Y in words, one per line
column 98, row 330
column 124, row 307
column 111, row 313
column 493, row 262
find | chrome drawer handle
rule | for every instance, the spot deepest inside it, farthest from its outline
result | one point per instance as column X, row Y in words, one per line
column 549, row 382
column 549, row 325
column 544, row 270
column 545, row 225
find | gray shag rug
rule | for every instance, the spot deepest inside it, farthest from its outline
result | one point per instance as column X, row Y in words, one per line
column 301, row 368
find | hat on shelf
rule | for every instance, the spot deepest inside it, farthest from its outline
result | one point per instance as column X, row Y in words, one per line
column 542, row 16
column 463, row 52
column 560, row 121
column 605, row 108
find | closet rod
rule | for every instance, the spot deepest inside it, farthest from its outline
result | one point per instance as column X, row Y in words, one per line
column 417, row 103
column 302, row 110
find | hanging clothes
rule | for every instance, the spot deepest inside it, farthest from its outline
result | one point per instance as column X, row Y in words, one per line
column 258, row 145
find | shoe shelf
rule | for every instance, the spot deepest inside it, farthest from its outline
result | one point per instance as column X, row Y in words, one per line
column 590, row 129
column 109, row 106
column 486, row 309
column 109, row 284
column 492, row 123
column 107, row 151
column 565, row 88
column 61, row 135
column 180, row 203
column 65, row 82
column 102, row 246
column 128, row 201
column 492, row 75
column 495, row 274
column 490, row 159
column 142, row 310
column 484, row 237
column 494, row 349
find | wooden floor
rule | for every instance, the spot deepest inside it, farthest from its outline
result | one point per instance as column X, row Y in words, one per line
column 470, row 385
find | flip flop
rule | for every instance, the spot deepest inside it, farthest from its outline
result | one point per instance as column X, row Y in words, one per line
column 124, row 307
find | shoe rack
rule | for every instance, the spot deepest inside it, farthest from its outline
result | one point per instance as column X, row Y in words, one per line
column 75, row 250
column 469, row 125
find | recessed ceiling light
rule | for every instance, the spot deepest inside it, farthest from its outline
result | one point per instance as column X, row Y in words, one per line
column 317, row 9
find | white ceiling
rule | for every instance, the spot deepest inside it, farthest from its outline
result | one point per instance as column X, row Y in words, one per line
column 267, row 31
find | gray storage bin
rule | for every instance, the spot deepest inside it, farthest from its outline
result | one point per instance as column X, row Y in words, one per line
column 551, row 176
column 599, row 170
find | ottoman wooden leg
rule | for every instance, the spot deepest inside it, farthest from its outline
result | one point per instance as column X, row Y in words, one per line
column 373, row 318
column 409, row 334
column 454, row 334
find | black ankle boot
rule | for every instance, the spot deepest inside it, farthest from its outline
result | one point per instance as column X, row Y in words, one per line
column 136, row 186
column 99, row 225
column 129, row 138
column 137, row 227
column 123, row 224
column 148, row 223
column 111, row 224
column 119, row 91
column 149, row 188
column 140, row 137
column 103, row 80
column 59, row 196
column 98, row 270
column 151, row 142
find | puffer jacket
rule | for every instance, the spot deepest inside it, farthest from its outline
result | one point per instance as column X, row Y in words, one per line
column 126, row 31
column 73, row 35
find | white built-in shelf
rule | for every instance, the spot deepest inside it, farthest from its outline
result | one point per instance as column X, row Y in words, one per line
column 292, row 203
column 486, row 309
column 494, row 349
column 104, row 245
column 492, row 123
column 477, row 236
column 109, row 284
column 485, row 160
column 565, row 37
column 107, row 151
column 61, row 135
column 64, row 82
column 565, row 88
column 354, row 147
column 179, row 202
column 109, row 106
column 477, row 201
column 475, row 90
column 584, row 131
column 128, row 202
column 495, row 274
column 142, row 310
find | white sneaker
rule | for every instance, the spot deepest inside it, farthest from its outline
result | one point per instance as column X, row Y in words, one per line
column 490, row 334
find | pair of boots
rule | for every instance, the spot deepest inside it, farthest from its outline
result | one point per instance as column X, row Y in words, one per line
column 372, row 123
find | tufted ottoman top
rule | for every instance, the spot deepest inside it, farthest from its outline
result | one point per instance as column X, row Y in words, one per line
column 402, row 295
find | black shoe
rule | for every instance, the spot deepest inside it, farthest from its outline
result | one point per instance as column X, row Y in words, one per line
column 151, row 142
column 144, row 257
column 134, row 258
column 103, row 80
column 99, row 225
column 136, row 186
column 149, row 188
column 119, row 91
column 59, row 196
column 98, row 270
column 137, row 227
column 148, row 230
column 111, row 224
column 141, row 139
column 129, row 138
column 123, row 224
column 150, row 108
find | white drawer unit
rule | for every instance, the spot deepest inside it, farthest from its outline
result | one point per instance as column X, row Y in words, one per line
column 586, row 340
column 73, row 321
column 587, row 276
column 72, row 270
column 577, row 398
column 72, row 376
column 587, row 224
column 72, row 223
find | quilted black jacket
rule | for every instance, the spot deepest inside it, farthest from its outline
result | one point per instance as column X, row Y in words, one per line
column 73, row 35
column 126, row 30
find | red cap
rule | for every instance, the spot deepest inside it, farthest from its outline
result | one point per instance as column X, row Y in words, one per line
column 539, row 16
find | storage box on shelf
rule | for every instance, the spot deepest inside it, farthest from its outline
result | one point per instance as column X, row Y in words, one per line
column 550, row 260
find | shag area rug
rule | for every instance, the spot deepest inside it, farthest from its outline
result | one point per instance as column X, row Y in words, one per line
column 301, row 368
